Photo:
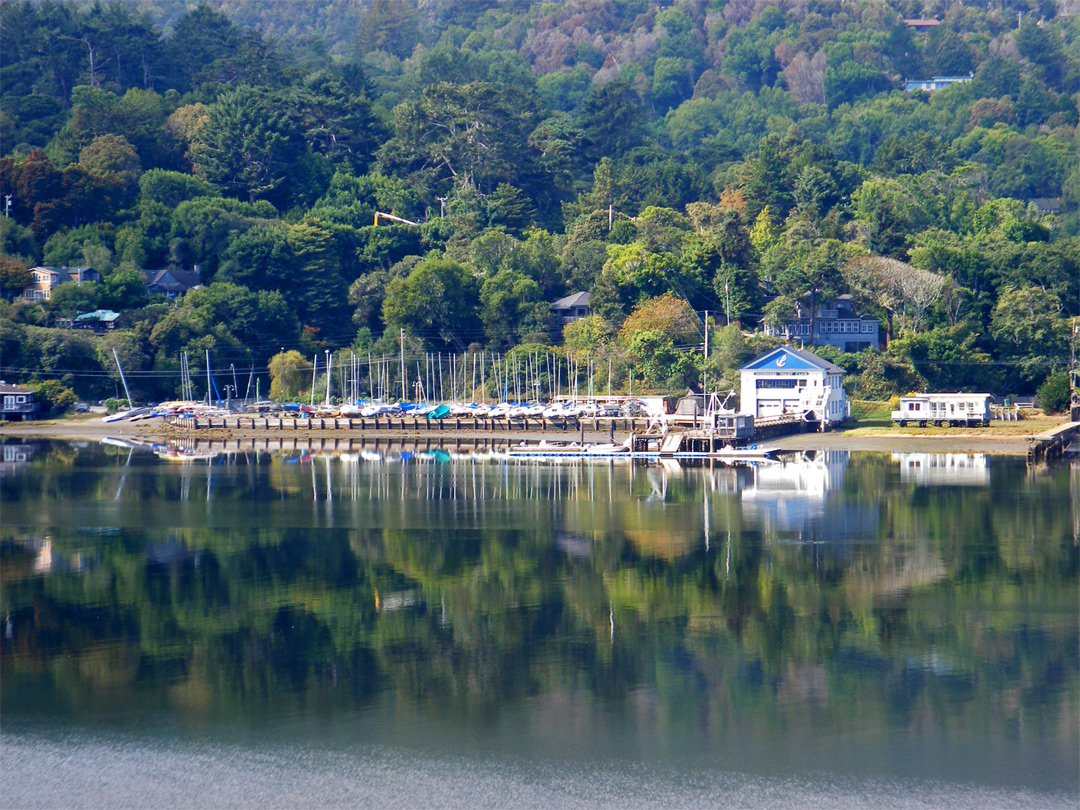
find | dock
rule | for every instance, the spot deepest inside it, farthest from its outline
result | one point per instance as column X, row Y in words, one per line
column 1052, row 443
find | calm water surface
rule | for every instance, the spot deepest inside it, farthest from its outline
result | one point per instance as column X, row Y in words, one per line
column 433, row 629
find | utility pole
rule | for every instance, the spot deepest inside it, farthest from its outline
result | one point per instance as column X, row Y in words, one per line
column 442, row 207
column 704, row 367
column 7, row 206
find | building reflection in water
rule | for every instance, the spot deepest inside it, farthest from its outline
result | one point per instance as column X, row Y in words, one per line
column 950, row 469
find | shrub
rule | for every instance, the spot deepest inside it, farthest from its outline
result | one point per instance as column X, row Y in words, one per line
column 1053, row 395
column 54, row 396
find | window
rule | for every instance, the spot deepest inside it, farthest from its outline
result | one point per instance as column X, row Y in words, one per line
column 868, row 327
column 789, row 383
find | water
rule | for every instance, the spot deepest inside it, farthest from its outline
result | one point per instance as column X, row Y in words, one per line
column 414, row 629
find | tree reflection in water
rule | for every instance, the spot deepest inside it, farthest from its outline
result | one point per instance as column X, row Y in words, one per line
column 830, row 595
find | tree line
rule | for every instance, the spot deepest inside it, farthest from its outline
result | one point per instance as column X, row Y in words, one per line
column 745, row 159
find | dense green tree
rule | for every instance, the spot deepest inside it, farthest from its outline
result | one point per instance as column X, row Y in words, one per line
column 171, row 188
column 438, row 301
column 247, row 146
column 1028, row 324
column 123, row 289
column 611, row 119
column 472, row 134
column 334, row 120
column 511, row 307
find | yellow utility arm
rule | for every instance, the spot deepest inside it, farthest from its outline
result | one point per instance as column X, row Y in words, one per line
column 392, row 218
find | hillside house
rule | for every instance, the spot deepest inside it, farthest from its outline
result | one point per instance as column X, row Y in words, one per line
column 171, row 282
column 834, row 324
column 936, row 83
column 100, row 320
column 571, row 308
column 46, row 279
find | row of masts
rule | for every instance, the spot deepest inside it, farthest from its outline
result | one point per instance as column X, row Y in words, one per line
column 466, row 377
column 450, row 378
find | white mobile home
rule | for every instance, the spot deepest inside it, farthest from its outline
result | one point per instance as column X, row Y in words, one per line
column 935, row 469
column 943, row 409
column 793, row 381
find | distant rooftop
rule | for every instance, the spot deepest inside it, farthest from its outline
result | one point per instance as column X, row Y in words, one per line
column 104, row 315
column 579, row 299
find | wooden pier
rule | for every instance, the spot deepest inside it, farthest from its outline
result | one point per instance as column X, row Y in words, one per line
column 1051, row 444
column 410, row 424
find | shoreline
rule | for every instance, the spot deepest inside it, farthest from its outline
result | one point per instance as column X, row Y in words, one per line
column 1013, row 442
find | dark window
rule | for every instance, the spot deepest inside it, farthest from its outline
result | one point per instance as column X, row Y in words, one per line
column 776, row 383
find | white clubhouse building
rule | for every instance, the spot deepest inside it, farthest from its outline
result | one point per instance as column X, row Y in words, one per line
column 794, row 381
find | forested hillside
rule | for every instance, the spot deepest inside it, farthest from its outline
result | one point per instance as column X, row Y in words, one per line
column 745, row 157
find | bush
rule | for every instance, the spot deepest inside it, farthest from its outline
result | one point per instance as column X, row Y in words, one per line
column 113, row 405
column 54, row 396
column 1053, row 395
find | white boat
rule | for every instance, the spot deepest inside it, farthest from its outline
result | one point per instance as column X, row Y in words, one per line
column 751, row 452
column 607, row 449
column 121, row 415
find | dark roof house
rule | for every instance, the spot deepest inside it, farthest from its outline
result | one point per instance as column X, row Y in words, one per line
column 171, row 282
column 572, row 307
column 16, row 403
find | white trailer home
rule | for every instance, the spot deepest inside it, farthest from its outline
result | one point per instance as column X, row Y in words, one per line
column 944, row 409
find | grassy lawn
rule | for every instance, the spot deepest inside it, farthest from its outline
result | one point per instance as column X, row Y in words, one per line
column 870, row 418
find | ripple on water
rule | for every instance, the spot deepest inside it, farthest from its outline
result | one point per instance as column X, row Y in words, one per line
column 84, row 771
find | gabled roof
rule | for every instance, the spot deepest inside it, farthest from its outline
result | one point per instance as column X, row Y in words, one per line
column 7, row 388
column 579, row 299
column 173, row 279
column 785, row 357
column 105, row 315
column 66, row 273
